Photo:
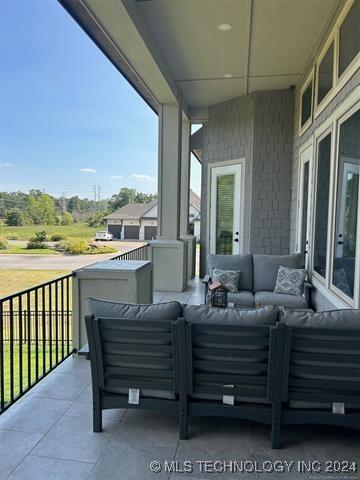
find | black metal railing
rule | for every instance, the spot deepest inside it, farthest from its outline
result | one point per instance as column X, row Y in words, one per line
column 36, row 332
column 35, row 336
column 140, row 253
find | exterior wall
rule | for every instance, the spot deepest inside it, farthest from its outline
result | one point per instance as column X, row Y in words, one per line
column 227, row 136
column 272, row 163
column 258, row 128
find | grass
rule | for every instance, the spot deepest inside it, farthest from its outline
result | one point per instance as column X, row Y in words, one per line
column 24, row 369
column 23, row 250
column 76, row 230
column 14, row 280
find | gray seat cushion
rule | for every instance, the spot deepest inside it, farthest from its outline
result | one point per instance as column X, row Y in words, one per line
column 244, row 298
column 156, row 311
column 263, row 298
column 266, row 269
column 238, row 263
column 206, row 314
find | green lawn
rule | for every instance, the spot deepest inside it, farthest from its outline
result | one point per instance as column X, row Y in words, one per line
column 15, row 280
column 77, row 230
column 24, row 251
column 16, row 364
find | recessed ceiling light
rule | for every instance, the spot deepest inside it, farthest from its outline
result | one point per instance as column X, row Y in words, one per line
column 228, row 75
column 224, row 27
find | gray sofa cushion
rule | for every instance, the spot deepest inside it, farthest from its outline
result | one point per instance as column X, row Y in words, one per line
column 348, row 319
column 206, row 314
column 238, row 263
column 266, row 269
column 270, row 298
column 156, row 311
column 244, row 298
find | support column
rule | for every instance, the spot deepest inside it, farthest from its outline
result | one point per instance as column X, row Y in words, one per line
column 185, row 197
column 141, row 231
column 169, row 253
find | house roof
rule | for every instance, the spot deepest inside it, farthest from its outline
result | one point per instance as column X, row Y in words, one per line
column 135, row 211
column 131, row 211
column 195, row 199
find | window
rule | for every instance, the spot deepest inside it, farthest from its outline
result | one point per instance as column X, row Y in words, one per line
column 349, row 37
column 322, row 205
column 325, row 74
column 306, row 104
column 347, row 204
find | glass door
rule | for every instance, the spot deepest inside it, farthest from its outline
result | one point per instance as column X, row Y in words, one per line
column 305, row 203
column 225, row 208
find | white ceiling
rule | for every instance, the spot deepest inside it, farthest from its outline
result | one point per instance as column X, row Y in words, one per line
column 267, row 48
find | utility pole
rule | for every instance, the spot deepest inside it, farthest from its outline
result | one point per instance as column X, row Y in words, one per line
column 97, row 193
column 63, row 202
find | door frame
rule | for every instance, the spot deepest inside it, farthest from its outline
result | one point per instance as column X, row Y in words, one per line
column 242, row 163
column 309, row 145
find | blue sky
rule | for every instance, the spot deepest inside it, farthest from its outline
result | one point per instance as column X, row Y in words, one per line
column 68, row 119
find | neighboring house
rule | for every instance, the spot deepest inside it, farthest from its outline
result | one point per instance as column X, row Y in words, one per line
column 138, row 221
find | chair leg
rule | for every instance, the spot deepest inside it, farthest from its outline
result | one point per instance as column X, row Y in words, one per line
column 183, row 421
column 97, row 417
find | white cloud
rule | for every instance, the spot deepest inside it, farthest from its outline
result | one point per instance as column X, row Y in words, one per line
column 88, row 170
column 116, row 177
column 6, row 165
column 146, row 178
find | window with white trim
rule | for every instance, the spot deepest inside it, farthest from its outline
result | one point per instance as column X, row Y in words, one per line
column 349, row 37
column 325, row 74
column 322, row 205
column 347, row 205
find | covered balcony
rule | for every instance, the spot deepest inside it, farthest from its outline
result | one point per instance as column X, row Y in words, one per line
column 275, row 87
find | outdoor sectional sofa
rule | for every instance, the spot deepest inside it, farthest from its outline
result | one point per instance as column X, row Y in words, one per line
column 257, row 279
column 269, row 365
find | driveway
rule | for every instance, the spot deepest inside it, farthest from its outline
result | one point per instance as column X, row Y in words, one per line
column 62, row 262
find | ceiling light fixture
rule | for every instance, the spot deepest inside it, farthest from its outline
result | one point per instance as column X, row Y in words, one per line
column 228, row 75
column 224, row 27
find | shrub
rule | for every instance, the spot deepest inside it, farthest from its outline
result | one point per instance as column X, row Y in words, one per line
column 57, row 237
column 15, row 218
column 67, row 219
column 12, row 236
column 102, row 249
column 3, row 244
column 34, row 244
column 39, row 237
column 78, row 247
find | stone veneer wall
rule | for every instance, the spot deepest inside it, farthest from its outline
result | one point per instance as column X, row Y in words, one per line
column 258, row 128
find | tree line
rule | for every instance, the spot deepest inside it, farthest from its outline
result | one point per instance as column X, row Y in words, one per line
column 40, row 208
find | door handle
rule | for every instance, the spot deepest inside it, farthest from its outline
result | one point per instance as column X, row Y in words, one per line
column 340, row 242
column 236, row 240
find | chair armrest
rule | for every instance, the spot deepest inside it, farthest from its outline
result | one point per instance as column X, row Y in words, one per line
column 206, row 279
column 307, row 292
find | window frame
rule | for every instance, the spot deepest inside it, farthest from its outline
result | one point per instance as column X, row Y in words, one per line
column 318, row 138
column 356, row 300
column 319, row 107
column 338, row 81
column 310, row 79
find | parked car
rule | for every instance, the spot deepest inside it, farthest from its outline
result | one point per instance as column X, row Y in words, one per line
column 103, row 236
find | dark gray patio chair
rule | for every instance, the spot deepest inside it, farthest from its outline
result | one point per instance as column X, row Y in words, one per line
column 321, row 381
column 134, row 354
column 236, row 363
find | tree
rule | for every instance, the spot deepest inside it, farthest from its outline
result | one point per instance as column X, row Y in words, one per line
column 129, row 195
column 42, row 209
column 67, row 219
column 96, row 220
column 125, row 196
column 15, row 218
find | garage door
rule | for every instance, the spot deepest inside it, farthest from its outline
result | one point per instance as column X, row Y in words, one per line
column 150, row 232
column 115, row 230
column 131, row 232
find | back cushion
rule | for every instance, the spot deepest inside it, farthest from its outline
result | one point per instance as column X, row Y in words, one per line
column 266, row 269
column 156, row 311
column 337, row 319
column 238, row 263
column 206, row 314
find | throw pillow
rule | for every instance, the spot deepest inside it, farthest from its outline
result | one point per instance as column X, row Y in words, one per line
column 228, row 279
column 290, row 281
